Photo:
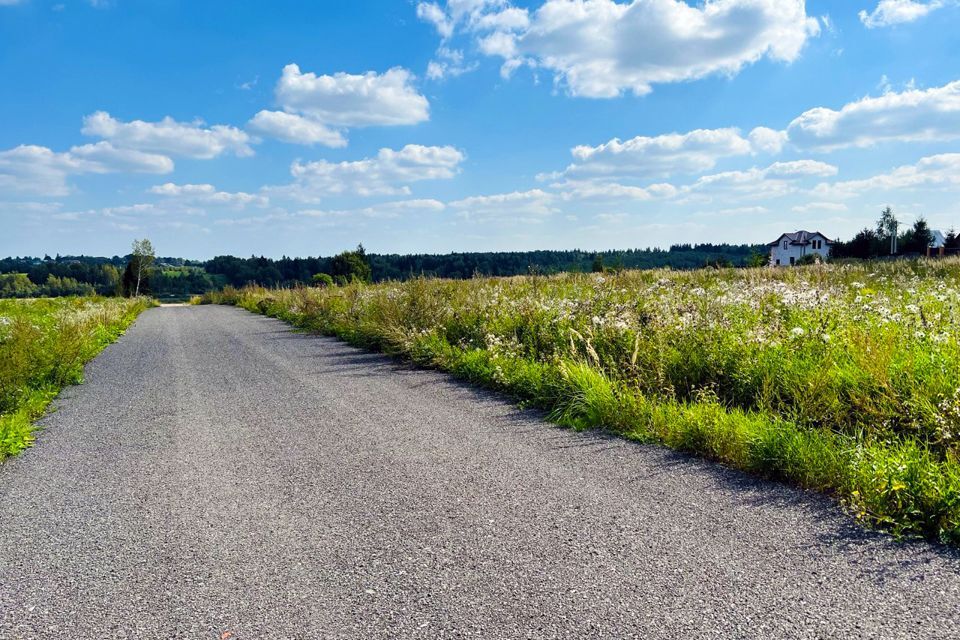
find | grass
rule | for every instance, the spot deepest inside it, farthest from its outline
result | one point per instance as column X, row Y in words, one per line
column 44, row 344
column 839, row 378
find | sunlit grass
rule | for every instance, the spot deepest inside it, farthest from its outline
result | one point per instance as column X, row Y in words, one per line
column 44, row 344
column 841, row 378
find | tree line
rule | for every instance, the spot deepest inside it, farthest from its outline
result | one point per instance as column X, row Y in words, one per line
column 142, row 272
column 886, row 239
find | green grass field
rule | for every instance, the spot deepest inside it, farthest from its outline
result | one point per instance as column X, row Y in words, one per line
column 844, row 379
column 44, row 344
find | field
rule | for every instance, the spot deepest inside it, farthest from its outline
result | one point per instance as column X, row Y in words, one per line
column 839, row 378
column 44, row 344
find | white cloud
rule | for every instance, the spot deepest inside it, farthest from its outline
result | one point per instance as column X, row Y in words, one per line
column 39, row 170
column 191, row 140
column 389, row 173
column 820, row 206
column 509, row 19
column 774, row 181
column 207, row 194
column 114, row 159
column 598, row 190
column 523, row 206
column 432, row 13
column 671, row 153
column 289, row 127
column 889, row 12
column 768, row 140
column 602, row 48
column 347, row 100
column 800, row 169
column 449, row 63
column 383, row 210
column 932, row 172
column 910, row 116
column 499, row 43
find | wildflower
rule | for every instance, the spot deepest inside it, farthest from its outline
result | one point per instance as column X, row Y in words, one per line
column 797, row 332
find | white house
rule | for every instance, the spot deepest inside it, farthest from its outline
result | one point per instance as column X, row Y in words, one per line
column 790, row 247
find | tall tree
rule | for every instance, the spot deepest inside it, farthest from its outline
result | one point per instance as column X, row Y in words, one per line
column 350, row 266
column 142, row 260
column 887, row 227
column 917, row 238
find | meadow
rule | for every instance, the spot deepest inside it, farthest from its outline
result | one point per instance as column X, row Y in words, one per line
column 44, row 344
column 839, row 378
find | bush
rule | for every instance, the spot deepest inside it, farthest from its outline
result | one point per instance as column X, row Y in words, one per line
column 322, row 280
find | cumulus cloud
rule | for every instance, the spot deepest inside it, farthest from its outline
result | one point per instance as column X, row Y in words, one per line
column 207, row 194
column 604, row 191
column 932, row 172
column 190, row 140
column 910, row 116
column 524, row 206
column 295, row 129
column 110, row 158
column 33, row 169
column 669, row 154
column 890, row 12
column 316, row 109
column 389, row 173
column 39, row 170
column 353, row 100
column 776, row 180
column 603, row 48
column 768, row 140
column 395, row 209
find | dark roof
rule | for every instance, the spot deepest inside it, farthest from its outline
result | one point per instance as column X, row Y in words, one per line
column 800, row 237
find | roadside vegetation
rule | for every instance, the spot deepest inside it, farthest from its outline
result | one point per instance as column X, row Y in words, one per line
column 44, row 344
column 839, row 378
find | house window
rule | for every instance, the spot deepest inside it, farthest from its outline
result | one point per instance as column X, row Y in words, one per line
column 785, row 247
column 778, row 262
column 792, row 259
column 817, row 244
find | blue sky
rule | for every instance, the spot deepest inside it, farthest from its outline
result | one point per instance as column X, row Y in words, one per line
column 303, row 128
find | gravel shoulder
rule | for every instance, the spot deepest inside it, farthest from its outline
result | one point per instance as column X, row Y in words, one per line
column 218, row 472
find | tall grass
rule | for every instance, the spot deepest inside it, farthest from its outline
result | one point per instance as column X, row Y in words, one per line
column 844, row 379
column 44, row 344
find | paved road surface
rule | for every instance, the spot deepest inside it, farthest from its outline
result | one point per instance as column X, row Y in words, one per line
column 218, row 474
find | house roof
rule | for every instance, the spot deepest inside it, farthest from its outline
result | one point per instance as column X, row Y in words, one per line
column 800, row 238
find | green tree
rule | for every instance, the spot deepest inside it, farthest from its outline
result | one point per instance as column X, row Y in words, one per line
column 951, row 240
column 17, row 285
column 920, row 237
column 758, row 259
column 350, row 266
column 887, row 228
column 322, row 280
column 141, row 261
column 597, row 266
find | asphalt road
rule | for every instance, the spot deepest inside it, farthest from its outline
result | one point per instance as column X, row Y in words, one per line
column 219, row 476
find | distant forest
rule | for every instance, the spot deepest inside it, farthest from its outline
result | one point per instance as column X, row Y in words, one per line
column 84, row 275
